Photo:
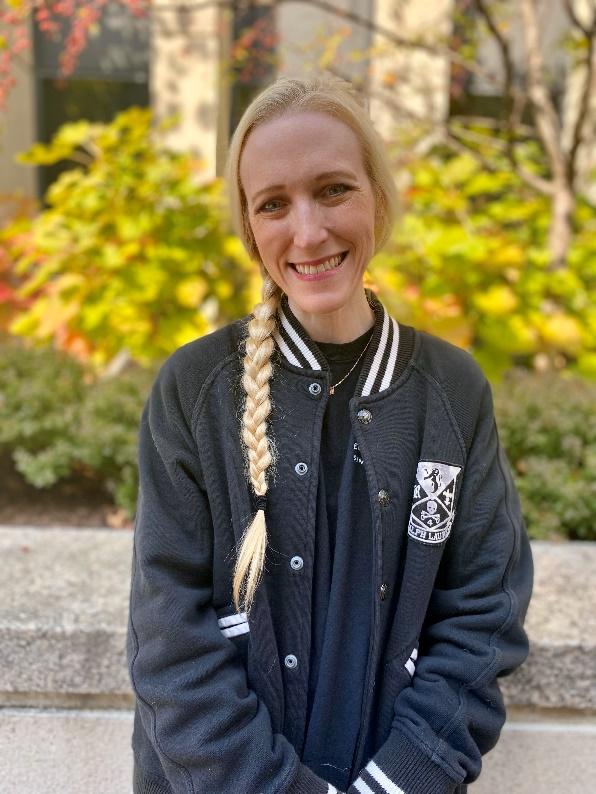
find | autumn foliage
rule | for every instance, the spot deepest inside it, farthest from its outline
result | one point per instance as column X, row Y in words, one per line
column 469, row 261
column 131, row 253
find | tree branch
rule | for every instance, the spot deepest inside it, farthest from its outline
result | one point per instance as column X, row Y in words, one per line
column 495, row 124
column 584, row 104
column 451, row 140
column 350, row 16
column 510, row 96
column 587, row 31
column 547, row 122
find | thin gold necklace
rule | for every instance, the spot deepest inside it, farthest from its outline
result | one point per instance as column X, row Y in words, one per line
column 335, row 385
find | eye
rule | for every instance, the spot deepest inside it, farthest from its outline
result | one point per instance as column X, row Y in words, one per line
column 270, row 206
column 336, row 190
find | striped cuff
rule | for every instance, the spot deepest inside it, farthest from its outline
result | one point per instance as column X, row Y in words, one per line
column 400, row 767
column 306, row 782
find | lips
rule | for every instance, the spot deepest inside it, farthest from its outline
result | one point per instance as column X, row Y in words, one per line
column 319, row 265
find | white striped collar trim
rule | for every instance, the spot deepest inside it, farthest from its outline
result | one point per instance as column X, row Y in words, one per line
column 381, row 365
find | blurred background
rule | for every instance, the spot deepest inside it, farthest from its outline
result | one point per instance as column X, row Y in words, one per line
column 116, row 248
column 115, row 245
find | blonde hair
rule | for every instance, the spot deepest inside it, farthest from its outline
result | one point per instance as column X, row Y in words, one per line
column 336, row 98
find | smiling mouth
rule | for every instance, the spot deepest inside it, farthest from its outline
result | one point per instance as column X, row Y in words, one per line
column 328, row 264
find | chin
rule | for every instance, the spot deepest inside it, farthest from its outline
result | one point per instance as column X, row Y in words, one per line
column 318, row 304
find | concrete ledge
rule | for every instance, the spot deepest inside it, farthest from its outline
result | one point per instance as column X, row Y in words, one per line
column 65, row 752
column 560, row 672
column 63, row 613
column 57, row 751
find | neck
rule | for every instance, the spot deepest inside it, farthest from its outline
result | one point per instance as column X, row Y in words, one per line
column 342, row 325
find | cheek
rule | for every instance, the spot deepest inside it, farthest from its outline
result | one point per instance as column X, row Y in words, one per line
column 267, row 240
column 362, row 223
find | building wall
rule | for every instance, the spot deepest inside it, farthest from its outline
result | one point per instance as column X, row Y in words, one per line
column 305, row 31
column 184, row 77
column 17, row 133
column 414, row 80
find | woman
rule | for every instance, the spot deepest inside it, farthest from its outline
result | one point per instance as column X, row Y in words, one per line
column 330, row 566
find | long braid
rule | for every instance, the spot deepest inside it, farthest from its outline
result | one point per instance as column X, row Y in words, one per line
column 257, row 373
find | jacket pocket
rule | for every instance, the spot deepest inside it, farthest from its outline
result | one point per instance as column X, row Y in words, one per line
column 396, row 675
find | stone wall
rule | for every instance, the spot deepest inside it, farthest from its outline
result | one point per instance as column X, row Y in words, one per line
column 65, row 701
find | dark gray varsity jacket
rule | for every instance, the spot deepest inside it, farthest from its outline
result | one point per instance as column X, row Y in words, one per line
column 220, row 696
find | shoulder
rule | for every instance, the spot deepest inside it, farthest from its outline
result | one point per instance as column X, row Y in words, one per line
column 184, row 374
column 445, row 362
column 457, row 376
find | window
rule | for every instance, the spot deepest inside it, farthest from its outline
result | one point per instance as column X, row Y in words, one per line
column 474, row 94
column 253, row 50
column 111, row 75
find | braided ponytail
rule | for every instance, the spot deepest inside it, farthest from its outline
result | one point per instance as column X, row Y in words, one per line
column 257, row 374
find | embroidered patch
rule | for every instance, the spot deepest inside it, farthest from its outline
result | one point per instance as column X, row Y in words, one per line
column 433, row 508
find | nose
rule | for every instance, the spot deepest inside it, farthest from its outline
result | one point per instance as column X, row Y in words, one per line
column 308, row 226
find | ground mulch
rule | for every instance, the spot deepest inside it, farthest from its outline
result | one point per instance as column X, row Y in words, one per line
column 74, row 502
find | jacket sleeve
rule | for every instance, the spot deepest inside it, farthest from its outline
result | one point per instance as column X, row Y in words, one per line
column 453, row 711
column 210, row 731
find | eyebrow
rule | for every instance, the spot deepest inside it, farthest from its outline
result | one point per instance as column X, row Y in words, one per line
column 319, row 178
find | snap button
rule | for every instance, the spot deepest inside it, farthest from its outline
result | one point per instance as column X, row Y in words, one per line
column 383, row 591
column 301, row 468
column 291, row 661
column 296, row 563
column 315, row 389
column 364, row 416
column 383, row 497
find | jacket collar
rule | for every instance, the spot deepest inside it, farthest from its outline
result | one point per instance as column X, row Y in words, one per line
column 384, row 361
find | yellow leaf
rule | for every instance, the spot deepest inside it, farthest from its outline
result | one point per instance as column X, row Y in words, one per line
column 509, row 255
column 496, row 301
column 561, row 332
column 190, row 292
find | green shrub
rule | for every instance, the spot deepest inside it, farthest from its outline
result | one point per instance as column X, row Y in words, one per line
column 548, row 426
column 108, row 435
column 40, row 399
column 57, row 420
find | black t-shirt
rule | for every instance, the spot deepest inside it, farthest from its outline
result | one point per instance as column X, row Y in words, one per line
column 342, row 575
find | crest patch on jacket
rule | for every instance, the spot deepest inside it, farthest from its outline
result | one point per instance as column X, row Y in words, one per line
column 433, row 507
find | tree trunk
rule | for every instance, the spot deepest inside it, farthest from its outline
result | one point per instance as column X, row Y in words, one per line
column 561, row 229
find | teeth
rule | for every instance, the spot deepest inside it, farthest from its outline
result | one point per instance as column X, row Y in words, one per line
column 334, row 261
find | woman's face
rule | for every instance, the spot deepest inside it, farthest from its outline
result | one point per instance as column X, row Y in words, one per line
column 311, row 208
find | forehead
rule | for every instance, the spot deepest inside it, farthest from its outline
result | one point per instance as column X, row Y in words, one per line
column 297, row 146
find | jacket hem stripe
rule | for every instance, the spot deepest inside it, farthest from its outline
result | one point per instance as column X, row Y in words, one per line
column 362, row 787
column 385, row 782
column 235, row 631
column 232, row 620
